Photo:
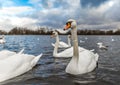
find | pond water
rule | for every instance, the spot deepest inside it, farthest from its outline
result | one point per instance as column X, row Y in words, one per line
column 51, row 71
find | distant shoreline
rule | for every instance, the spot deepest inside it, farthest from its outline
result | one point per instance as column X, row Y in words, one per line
column 47, row 31
column 60, row 34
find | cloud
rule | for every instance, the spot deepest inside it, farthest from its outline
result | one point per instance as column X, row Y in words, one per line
column 15, row 16
column 5, row 24
column 11, row 22
column 73, row 9
column 10, row 11
column 92, row 3
column 113, row 12
column 54, row 13
column 104, row 13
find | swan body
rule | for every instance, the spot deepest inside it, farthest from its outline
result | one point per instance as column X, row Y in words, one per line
column 2, row 40
column 67, row 52
column 61, row 43
column 101, row 46
column 84, row 64
column 81, row 41
column 6, row 53
column 81, row 62
column 16, row 65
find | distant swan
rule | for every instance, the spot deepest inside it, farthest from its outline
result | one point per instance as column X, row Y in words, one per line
column 112, row 40
column 81, row 62
column 101, row 46
column 16, row 65
column 81, row 41
column 66, row 53
column 61, row 43
column 2, row 39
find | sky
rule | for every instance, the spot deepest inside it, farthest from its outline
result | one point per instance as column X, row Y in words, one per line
column 54, row 13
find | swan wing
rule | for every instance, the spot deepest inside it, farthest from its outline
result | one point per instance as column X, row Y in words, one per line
column 5, row 54
column 63, row 44
column 36, row 59
column 66, row 53
column 17, row 65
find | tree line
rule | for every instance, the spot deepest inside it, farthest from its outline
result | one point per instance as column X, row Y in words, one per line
column 46, row 31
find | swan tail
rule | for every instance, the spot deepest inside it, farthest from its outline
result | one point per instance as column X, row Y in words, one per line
column 53, row 44
column 36, row 59
column 21, row 51
column 96, row 57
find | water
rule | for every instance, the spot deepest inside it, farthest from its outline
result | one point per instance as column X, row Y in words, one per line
column 51, row 71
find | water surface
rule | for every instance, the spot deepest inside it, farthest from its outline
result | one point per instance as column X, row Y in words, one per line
column 51, row 71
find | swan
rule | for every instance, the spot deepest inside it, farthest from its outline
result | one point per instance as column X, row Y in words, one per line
column 2, row 39
column 81, row 41
column 6, row 53
column 81, row 62
column 112, row 40
column 61, row 43
column 66, row 53
column 16, row 65
column 101, row 46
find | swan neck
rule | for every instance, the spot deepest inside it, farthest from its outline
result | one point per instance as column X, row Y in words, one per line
column 75, row 42
column 56, row 45
column 57, row 38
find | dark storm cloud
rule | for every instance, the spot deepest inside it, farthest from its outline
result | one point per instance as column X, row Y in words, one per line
column 92, row 3
column 57, row 12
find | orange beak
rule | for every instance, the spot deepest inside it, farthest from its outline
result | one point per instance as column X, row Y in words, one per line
column 67, row 27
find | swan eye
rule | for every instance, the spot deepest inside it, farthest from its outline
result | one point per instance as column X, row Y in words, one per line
column 68, row 24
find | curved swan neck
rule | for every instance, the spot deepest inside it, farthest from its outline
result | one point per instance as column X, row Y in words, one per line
column 57, row 38
column 75, row 42
column 69, row 41
column 56, row 45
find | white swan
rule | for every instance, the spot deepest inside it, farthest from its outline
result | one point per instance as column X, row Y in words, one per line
column 81, row 41
column 2, row 39
column 16, row 65
column 81, row 62
column 61, row 43
column 6, row 53
column 101, row 46
column 112, row 40
column 66, row 53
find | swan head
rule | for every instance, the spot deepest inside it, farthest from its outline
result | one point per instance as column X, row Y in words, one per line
column 71, row 23
column 54, row 33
